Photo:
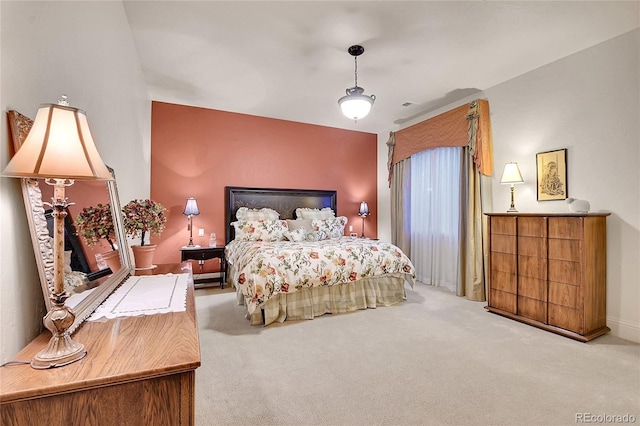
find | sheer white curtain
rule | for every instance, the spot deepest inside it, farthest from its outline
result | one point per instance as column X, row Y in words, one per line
column 435, row 216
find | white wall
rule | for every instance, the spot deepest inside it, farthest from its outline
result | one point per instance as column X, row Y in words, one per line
column 589, row 103
column 85, row 50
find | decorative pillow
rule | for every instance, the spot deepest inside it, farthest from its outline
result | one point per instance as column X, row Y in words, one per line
column 245, row 213
column 318, row 236
column 334, row 228
column 260, row 230
column 297, row 235
column 74, row 279
column 305, row 213
column 299, row 223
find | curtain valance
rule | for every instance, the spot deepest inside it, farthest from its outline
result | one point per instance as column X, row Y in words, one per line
column 449, row 129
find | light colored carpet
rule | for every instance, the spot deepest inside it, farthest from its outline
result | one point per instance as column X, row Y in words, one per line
column 434, row 359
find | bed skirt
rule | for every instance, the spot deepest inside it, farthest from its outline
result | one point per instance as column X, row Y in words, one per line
column 316, row 301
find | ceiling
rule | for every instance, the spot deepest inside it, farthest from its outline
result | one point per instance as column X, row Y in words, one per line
column 289, row 59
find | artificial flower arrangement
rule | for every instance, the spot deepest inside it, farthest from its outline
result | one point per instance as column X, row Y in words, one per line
column 142, row 216
column 95, row 224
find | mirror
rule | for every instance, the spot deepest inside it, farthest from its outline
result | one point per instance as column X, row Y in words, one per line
column 87, row 280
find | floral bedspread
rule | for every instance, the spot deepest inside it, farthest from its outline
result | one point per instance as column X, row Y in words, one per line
column 265, row 269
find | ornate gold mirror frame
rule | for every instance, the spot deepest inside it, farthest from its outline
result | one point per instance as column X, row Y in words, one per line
column 90, row 295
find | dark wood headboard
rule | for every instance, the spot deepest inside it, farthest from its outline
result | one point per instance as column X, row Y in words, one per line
column 284, row 201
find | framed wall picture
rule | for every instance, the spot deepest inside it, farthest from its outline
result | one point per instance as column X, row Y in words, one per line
column 551, row 170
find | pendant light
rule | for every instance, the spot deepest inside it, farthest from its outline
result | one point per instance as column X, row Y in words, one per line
column 356, row 105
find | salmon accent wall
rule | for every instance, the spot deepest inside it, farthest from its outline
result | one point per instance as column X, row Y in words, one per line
column 196, row 152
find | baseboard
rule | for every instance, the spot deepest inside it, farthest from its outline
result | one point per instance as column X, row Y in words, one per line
column 624, row 329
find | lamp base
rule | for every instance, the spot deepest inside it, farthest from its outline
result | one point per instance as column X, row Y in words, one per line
column 191, row 246
column 61, row 350
column 512, row 208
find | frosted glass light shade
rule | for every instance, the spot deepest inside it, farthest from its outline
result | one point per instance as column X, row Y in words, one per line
column 355, row 107
column 511, row 174
column 59, row 145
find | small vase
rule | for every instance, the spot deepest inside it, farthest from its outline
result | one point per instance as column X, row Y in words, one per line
column 143, row 256
column 112, row 258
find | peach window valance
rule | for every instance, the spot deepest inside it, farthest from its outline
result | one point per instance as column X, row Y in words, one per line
column 467, row 125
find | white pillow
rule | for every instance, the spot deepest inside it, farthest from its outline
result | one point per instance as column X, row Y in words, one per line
column 306, row 213
column 245, row 213
column 299, row 223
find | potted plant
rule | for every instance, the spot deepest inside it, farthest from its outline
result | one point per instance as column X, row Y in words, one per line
column 142, row 217
column 94, row 224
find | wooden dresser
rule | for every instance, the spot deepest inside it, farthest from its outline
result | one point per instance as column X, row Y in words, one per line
column 138, row 371
column 549, row 271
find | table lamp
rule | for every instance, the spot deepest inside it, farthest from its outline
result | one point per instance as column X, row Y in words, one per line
column 190, row 210
column 512, row 176
column 363, row 212
column 60, row 149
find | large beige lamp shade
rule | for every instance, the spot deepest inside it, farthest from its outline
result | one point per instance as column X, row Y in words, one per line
column 59, row 148
column 59, row 145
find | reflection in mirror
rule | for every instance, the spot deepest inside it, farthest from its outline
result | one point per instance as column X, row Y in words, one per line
column 94, row 266
column 87, row 285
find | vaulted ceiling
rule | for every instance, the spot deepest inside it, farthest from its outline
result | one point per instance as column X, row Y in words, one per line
column 289, row 59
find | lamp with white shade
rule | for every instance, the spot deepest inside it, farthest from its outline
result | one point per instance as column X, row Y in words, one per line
column 363, row 212
column 511, row 176
column 190, row 210
column 60, row 149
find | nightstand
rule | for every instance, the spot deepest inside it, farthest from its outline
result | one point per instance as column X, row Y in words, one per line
column 205, row 253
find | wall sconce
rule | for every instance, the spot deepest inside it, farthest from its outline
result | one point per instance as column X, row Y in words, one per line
column 363, row 212
column 190, row 210
column 512, row 176
column 59, row 148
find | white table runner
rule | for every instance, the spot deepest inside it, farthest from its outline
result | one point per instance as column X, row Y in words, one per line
column 145, row 295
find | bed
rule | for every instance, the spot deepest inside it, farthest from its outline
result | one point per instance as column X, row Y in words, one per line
column 292, row 267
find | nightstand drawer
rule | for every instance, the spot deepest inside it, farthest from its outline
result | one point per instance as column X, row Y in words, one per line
column 202, row 253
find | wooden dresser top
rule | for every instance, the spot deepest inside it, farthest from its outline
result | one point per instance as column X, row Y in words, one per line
column 605, row 213
column 118, row 350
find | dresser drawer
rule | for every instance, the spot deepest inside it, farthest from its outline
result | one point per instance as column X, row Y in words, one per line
column 504, row 281
column 534, row 288
column 564, row 271
column 503, row 300
column 503, row 225
column 535, row 267
column 503, row 243
column 565, row 249
column 567, row 318
column 532, row 246
column 532, row 309
column 503, row 262
column 566, row 227
column 563, row 294
column 532, row 226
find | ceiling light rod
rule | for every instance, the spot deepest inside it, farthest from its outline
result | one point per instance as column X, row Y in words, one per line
column 356, row 104
column 355, row 51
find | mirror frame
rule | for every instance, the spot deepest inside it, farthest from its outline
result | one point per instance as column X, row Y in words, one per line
column 42, row 247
